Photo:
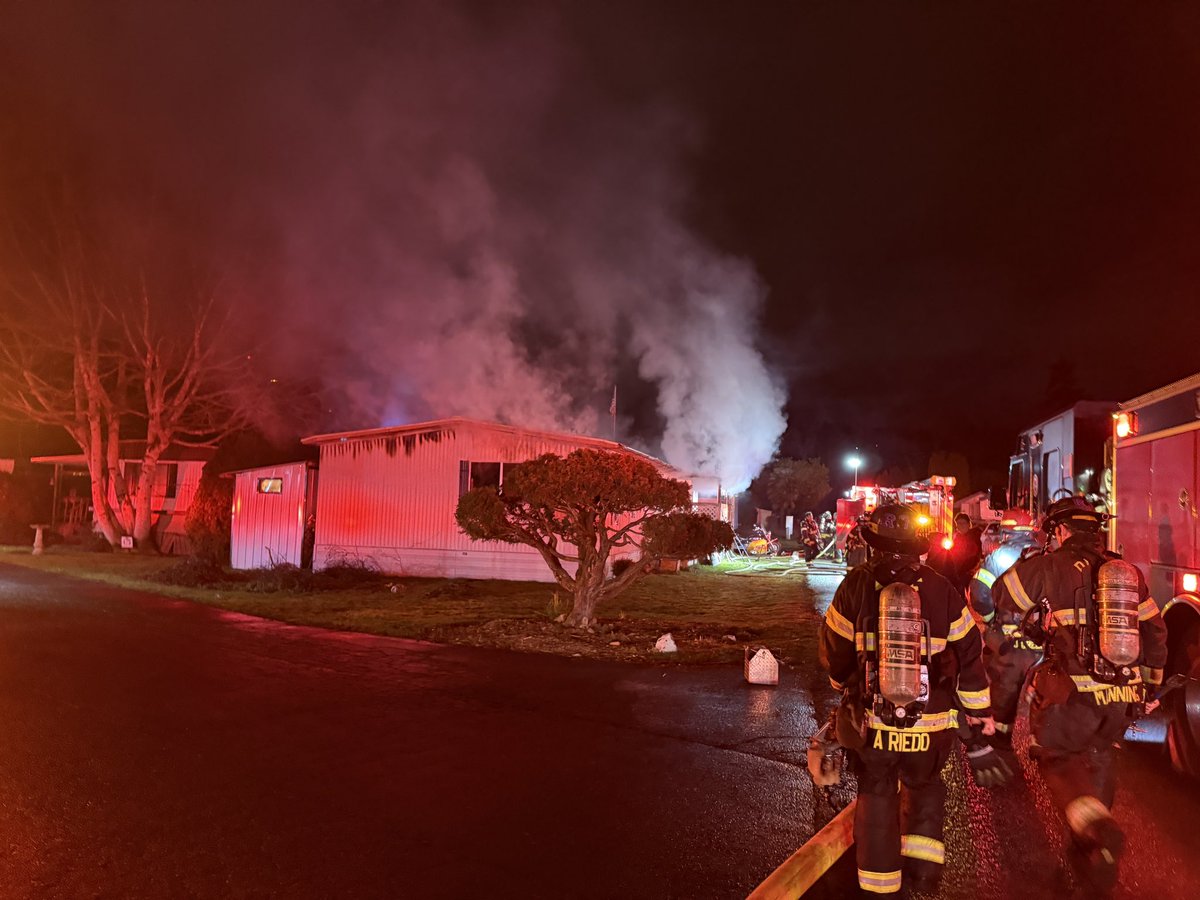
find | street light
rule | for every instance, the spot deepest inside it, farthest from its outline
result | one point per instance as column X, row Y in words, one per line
column 853, row 461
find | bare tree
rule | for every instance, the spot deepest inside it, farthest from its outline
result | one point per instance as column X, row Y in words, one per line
column 91, row 344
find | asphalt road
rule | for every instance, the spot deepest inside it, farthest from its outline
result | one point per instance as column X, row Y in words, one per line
column 156, row 748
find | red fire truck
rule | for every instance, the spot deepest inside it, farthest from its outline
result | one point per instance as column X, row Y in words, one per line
column 1156, row 478
column 933, row 498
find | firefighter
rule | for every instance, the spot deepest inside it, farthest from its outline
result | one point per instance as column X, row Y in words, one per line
column 1105, row 646
column 810, row 537
column 900, row 643
column 856, row 545
column 967, row 550
column 1008, row 653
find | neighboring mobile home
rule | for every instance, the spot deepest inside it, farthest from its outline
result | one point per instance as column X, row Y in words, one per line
column 176, row 477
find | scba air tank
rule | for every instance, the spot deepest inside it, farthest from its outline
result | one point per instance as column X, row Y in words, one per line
column 1117, row 601
column 900, row 633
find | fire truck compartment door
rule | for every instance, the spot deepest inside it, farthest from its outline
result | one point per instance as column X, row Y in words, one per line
column 1173, row 499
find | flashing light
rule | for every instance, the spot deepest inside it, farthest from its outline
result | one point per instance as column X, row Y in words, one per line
column 1189, row 581
column 1126, row 424
column 922, row 520
column 947, row 543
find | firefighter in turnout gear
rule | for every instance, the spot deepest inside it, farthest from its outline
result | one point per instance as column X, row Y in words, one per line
column 810, row 537
column 1105, row 646
column 900, row 643
column 1008, row 653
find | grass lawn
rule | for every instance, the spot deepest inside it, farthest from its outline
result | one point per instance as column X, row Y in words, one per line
column 700, row 607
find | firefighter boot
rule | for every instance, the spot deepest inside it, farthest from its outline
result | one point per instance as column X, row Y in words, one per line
column 1107, row 843
column 1098, row 842
column 1002, row 743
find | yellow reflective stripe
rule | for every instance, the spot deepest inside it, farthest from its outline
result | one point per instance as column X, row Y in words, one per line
column 961, row 627
column 1147, row 610
column 867, row 642
column 838, row 623
column 1069, row 617
column 837, row 685
column 1086, row 684
column 975, row 699
column 987, row 620
column 1013, row 583
column 984, row 577
column 928, row 722
column 1083, row 812
column 879, row 882
column 917, row 846
column 1003, row 727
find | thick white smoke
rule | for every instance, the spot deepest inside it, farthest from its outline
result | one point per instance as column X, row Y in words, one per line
column 492, row 228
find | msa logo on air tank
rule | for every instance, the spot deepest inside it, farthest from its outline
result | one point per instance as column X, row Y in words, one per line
column 900, row 654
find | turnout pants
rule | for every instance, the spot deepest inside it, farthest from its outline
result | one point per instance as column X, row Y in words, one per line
column 888, row 760
column 1073, row 745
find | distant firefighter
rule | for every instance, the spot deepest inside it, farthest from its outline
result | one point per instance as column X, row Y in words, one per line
column 856, row 545
column 810, row 537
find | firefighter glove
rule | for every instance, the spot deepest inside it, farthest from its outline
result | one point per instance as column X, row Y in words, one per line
column 824, row 763
column 988, row 766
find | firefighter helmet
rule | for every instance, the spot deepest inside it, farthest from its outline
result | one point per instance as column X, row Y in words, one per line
column 892, row 528
column 1074, row 511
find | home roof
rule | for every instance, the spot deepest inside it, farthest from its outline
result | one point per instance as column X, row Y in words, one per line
column 308, row 463
column 453, row 421
column 134, row 451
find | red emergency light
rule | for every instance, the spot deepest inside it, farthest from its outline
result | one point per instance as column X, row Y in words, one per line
column 1189, row 581
column 1126, row 424
column 947, row 543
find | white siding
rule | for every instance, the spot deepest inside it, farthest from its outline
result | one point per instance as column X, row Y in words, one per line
column 390, row 500
column 269, row 528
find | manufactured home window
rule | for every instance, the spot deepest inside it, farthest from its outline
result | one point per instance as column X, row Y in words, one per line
column 473, row 475
column 172, row 480
column 270, row 485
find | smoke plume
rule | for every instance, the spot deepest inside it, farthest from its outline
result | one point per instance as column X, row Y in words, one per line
column 434, row 210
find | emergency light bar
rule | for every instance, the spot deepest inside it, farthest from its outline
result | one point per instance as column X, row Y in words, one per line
column 1188, row 581
column 1126, row 424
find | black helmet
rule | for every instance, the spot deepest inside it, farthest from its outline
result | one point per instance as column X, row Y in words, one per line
column 1074, row 511
column 892, row 528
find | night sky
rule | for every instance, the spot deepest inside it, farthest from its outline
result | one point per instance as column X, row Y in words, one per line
column 937, row 223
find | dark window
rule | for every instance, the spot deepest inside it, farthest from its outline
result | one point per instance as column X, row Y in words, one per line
column 473, row 475
column 172, row 480
column 485, row 474
column 1018, row 486
column 270, row 485
column 133, row 471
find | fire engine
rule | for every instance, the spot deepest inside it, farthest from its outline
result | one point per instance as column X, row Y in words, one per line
column 933, row 498
column 1061, row 456
column 1156, row 478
